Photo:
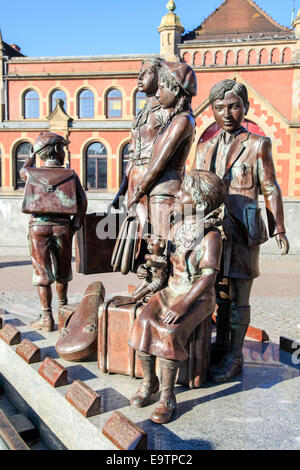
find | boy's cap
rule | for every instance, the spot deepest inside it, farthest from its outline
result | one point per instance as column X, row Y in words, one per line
column 48, row 139
column 184, row 76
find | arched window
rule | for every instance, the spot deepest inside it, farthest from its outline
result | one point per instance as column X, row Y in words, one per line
column 275, row 56
column 140, row 100
column 241, row 57
column 219, row 58
column 252, row 58
column 263, row 56
column 208, row 58
column 230, row 58
column 114, row 104
column 197, row 58
column 22, row 152
column 286, row 55
column 186, row 58
column 86, row 104
column 31, row 105
column 96, row 166
column 125, row 158
column 57, row 94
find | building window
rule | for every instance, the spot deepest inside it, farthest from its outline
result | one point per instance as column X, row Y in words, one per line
column 58, row 94
column 96, row 166
column 125, row 158
column 86, row 104
column 22, row 152
column 114, row 104
column 31, row 105
column 186, row 58
column 140, row 100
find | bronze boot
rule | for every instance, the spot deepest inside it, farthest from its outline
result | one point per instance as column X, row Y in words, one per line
column 150, row 384
column 167, row 403
column 222, row 343
column 232, row 363
column 45, row 322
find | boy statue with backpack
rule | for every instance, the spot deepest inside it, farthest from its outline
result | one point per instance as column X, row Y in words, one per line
column 57, row 203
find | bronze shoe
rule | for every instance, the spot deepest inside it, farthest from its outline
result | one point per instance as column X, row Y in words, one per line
column 45, row 322
column 143, row 394
column 229, row 367
column 164, row 411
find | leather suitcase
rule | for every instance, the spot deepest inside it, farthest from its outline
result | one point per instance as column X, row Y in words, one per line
column 193, row 370
column 115, row 355
column 93, row 255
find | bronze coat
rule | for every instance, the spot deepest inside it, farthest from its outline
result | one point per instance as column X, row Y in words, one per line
column 249, row 168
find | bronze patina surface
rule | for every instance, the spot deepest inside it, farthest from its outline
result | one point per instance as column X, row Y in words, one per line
column 244, row 162
column 78, row 339
column 167, row 321
column 151, row 196
column 57, row 203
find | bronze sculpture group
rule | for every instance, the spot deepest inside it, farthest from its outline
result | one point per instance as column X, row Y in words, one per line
column 205, row 227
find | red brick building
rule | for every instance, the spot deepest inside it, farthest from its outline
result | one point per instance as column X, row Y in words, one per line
column 97, row 95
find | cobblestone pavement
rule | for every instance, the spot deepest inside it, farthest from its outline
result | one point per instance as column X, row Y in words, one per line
column 275, row 299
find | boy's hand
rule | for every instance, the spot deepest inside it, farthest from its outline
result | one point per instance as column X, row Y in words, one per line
column 282, row 243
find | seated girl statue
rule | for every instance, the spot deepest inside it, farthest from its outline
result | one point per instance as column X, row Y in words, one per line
column 168, row 319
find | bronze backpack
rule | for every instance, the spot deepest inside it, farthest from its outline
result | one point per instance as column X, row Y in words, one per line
column 50, row 191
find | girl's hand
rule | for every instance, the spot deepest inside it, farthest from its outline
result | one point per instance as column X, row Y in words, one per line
column 177, row 310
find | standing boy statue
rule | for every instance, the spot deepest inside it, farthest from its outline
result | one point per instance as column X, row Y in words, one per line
column 52, row 195
column 244, row 162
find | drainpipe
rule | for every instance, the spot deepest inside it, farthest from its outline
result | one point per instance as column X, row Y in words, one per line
column 5, row 89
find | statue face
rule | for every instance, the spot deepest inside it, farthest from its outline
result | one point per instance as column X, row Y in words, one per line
column 229, row 113
column 166, row 97
column 148, row 79
column 183, row 202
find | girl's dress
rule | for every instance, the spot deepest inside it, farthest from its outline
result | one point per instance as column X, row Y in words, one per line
column 191, row 249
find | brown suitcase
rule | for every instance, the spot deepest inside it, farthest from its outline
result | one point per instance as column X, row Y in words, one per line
column 50, row 191
column 193, row 370
column 93, row 255
column 115, row 355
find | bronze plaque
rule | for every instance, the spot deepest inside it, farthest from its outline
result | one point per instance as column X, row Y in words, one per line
column 29, row 351
column 84, row 399
column 55, row 374
column 125, row 434
column 10, row 334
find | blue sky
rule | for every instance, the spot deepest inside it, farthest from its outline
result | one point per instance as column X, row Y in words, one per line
column 97, row 27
